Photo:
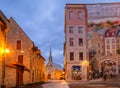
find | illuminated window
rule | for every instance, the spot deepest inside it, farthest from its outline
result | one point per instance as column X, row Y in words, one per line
column 71, row 56
column 18, row 44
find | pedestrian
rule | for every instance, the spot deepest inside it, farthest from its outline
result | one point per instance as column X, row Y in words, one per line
column 104, row 76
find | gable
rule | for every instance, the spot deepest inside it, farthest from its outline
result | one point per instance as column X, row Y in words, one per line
column 17, row 33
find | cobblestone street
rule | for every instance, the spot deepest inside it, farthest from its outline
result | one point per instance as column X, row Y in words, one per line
column 97, row 83
column 56, row 84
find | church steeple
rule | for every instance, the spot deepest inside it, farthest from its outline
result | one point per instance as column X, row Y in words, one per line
column 50, row 57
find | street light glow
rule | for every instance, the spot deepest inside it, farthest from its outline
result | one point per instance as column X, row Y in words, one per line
column 2, row 51
column 7, row 50
column 85, row 62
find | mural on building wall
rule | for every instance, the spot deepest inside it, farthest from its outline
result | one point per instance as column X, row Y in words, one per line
column 108, row 45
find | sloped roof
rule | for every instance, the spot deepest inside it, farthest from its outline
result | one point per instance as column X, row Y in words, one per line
column 58, row 66
column 118, row 33
column 101, row 31
column 111, row 33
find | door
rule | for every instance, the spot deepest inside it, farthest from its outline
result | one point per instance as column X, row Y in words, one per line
column 19, row 76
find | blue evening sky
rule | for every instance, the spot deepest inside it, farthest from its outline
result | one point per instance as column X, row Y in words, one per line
column 43, row 22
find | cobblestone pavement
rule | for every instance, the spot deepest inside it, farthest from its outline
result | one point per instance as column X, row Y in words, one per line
column 99, row 83
column 56, row 84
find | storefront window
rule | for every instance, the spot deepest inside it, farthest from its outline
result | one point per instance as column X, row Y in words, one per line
column 76, row 73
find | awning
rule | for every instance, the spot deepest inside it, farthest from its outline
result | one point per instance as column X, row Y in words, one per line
column 16, row 64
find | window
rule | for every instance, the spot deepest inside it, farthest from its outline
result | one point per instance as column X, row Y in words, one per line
column 107, row 34
column 98, row 51
column 71, row 41
column 112, row 33
column 80, row 56
column 71, row 15
column 18, row 44
column 117, row 40
column 113, row 46
column 108, row 46
column 20, row 59
column 108, row 52
column 97, row 13
column 71, row 56
column 113, row 52
column 113, row 41
column 107, row 40
column 80, row 42
column 71, row 29
column 118, row 46
column 79, row 29
column 80, row 15
column 98, row 45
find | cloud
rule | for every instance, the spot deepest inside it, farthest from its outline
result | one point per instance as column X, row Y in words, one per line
column 89, row 1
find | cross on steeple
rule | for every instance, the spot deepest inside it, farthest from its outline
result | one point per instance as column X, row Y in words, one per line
column 50, row 57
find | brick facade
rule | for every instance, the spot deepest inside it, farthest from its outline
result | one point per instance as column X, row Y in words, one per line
column 75, row 41
column 95, row 20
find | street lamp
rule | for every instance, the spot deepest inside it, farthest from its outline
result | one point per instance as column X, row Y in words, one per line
column 85, row 64
column 3, row 56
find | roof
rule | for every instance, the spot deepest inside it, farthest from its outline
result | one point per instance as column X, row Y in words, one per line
column 111, row 33
column 101, row 31
column 58, row 66
column 92, row 3
column 118, row 33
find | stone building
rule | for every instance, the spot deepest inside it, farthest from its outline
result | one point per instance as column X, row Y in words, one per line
column 24, row 63
column 37, row 66
column 4, row 27
column 53, row 71
column 18, row 61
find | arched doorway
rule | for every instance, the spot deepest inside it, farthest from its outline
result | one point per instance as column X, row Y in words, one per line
column 109, row 67
column 49, row 76
column 76, row 73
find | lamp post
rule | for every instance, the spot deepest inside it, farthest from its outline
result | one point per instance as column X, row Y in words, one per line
column 85, row 64
column 3, row 55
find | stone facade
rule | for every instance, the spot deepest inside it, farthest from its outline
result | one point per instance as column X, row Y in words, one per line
column 19, row 56
column 4, row 27
column 24, row 63
column 37, row 66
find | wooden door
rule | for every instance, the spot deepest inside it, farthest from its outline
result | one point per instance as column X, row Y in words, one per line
column 19, row 76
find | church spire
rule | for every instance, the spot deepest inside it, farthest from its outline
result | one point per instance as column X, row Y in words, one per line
column 50, row 57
